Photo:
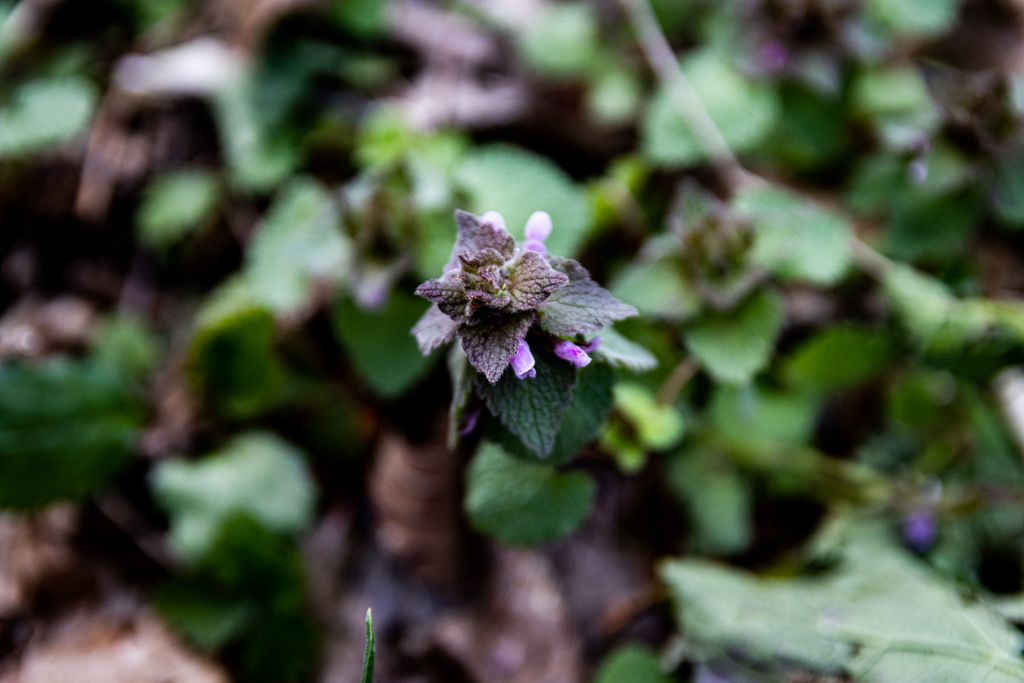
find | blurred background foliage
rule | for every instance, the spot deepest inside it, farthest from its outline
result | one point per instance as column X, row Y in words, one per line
column 219, row 442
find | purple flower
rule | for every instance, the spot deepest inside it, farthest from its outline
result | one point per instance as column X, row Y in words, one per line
column 522, row 361
column 566, row 350
column 494, row 218
column 920, row 528
column 773, row 57
column 469, row 421
column 538, row 229
column 592, row 345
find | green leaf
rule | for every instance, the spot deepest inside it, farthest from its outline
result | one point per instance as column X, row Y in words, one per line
column 298, row 243
column 589, row 408
column 379, row 345
column 657, row 427
column 255, row 474
column 795, row 237
column 736, row 345
column 369, row 652
column 762, row 416
column 895, row 100
column 232, row 358
column 915, row 18
column 66, row 427
column 533, row 408
column 1008, row 192
column 839, row 357
column 263, row 569
column 563, row 41
column 744, row 110
column 364, row 18
column 631, row 664
column 174, row 205
column 516, row 183
column 718, row 500
column 524, row 503
column 125, row 347
column 924, row 226
column 581, row 306
column 203, row 614
column 619, row 352
column 44, row 113
column 878, row 617
column 256, row 160
column 657, row 290
column 929, row 311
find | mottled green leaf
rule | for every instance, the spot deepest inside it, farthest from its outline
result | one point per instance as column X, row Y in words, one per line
column 795, row 237
column 232, row 357
column 657, row 289
column 66, row 427
column 378, row 343
column 620, row 352
column 757, row 415
column 734, row 346
column 533, row 408
column 718, row 501
column 839, row 357
column 632, row 664
column 524, row 503
column 174, row 205
column 298, row 243
column 744, row 110
column 44, row 113
column 563, row 40
column 879, row 616
column 256, row 474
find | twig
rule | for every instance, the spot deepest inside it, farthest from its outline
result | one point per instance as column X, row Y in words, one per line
column 665, row 65
column 677, row 380
column 708, row 137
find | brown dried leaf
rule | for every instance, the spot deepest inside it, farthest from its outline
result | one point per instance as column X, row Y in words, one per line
column 99, row 648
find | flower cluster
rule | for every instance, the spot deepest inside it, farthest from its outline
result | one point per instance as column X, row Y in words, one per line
column 493, row 294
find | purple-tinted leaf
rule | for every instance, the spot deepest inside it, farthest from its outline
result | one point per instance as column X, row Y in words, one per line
column 582, row 306
column 475, row 234
column 434, row 329
column 490, row 346
column 533, row 281
column 448, row 292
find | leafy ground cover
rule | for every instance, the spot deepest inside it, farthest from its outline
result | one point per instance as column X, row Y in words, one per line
column 606, row 340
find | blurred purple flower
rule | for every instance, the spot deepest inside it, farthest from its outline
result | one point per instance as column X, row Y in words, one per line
column 538, row 229
column 773, row 57
column 920, row 528
column 469, row 421
column 592, row 345
column 566, row 350
column 522, row 361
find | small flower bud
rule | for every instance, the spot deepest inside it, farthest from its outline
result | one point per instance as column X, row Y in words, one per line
column 920, row 528
column 523, row 362
column 494, row 218
column 566, row 350
column 538, row 227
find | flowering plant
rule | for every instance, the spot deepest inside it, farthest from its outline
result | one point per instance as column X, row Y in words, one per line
column 494, row 294
column 518, row 307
